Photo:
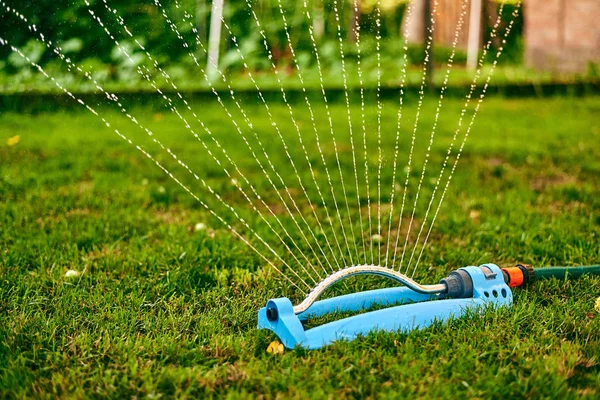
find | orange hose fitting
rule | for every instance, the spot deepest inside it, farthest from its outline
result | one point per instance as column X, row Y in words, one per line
column 515, row 276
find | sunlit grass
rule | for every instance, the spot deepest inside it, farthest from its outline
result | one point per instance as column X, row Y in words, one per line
column 161, row 305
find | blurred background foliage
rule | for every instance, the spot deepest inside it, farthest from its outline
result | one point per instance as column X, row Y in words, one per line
column 84, row 41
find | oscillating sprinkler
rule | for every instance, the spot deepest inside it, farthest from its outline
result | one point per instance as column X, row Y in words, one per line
column 410, row 306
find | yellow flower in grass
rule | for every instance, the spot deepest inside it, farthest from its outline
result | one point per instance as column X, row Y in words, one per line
column 275, row 347
column 13, row 140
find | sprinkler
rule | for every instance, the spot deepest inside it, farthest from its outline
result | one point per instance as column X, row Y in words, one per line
column 409, row 307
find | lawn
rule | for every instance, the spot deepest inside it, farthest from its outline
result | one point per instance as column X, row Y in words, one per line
column 162, row 309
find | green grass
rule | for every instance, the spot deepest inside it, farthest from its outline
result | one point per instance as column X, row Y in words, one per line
column 163, row 310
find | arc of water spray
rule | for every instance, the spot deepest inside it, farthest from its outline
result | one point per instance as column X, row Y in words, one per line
column 241, row 109
column 335, row 146
column 179, row 35
column 173, row 108
column 479, row 102
column 427, row 57
column 409, row 12
column 311, row 112
column 347, row 97
column 273, row 123
column 291, row 113
column 379, row 109
column 226, row 172
column 146, row 75
column 428, row 50
column 173, row 27
column 312, row 117
column 364, row 134
column 329, row 118
column 4, row 42
column 449, row 66
column 456, row 132
column 306, row 154
column 111, row 96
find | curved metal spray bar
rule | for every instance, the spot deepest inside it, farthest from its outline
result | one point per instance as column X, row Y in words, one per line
column 365, row 270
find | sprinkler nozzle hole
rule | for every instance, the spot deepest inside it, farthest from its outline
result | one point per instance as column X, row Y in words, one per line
column 495, row 293
column 486, row 294
column 272, row 314
column 503, row 293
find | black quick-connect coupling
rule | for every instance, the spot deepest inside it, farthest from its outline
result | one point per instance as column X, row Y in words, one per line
column 459, row 284
column 528, row 273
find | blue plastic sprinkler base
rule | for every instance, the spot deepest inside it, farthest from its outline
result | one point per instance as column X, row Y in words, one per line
column 417, row 311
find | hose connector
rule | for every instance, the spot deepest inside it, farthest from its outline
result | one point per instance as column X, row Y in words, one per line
column 520, row 275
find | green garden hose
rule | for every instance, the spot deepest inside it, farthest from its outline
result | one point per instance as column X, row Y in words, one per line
column 566, row 272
